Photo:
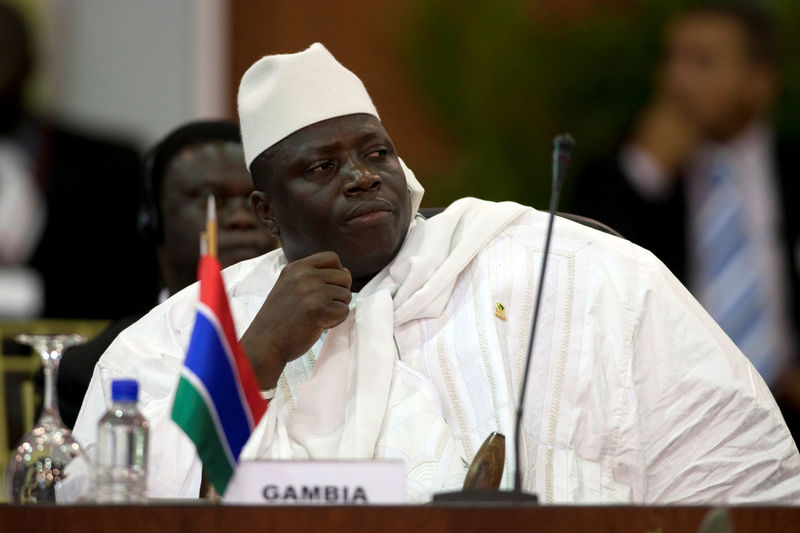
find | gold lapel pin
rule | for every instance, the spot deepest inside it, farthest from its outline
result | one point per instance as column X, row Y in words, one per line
column 500, row 311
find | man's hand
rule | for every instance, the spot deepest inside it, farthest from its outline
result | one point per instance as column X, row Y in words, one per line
column 311, row 295
column 667, row 134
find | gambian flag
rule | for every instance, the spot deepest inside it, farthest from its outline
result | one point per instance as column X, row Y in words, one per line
column 218, row 402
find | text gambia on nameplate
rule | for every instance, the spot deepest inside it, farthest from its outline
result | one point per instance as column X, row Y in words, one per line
column 318, row 483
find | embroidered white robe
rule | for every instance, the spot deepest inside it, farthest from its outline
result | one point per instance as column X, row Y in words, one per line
column 635, row 394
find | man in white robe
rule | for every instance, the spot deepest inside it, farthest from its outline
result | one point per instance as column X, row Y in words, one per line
column 636, row 395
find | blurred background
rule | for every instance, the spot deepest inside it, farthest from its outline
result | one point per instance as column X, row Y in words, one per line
column 472, row 92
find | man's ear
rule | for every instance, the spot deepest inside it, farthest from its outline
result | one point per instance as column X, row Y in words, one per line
column 264, row 213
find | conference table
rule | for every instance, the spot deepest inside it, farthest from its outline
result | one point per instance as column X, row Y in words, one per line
column 209, row 517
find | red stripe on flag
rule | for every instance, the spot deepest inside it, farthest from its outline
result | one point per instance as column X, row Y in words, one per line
column 212, row 293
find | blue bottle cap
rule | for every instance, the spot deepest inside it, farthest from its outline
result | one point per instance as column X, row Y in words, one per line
column 124, row 390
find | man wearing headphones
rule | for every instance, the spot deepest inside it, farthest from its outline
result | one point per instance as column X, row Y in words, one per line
column 193, row 161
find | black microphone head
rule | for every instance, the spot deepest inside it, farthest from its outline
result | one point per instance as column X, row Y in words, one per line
column 563, row 144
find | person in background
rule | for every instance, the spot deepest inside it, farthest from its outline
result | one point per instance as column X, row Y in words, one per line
column 63, row 244
column 193, row 161
column 704, row 182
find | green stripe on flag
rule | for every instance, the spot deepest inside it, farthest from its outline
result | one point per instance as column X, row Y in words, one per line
column 191, row 413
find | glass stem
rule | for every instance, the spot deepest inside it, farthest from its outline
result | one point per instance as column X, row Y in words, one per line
column 50, row 401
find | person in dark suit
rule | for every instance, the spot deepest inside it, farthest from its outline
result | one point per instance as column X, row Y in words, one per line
column 705, row 184
column 193, row 161
column 69, row 246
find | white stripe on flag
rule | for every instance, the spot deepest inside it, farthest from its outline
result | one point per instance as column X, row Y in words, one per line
column 200, row 387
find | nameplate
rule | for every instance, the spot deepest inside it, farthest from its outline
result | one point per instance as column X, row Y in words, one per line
column 317, row 483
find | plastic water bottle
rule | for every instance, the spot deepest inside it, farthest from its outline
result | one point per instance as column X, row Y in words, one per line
column 122, row 447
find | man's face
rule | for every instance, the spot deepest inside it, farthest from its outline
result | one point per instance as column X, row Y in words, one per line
column 337, row 185
column 710, row 75
column 210, row 168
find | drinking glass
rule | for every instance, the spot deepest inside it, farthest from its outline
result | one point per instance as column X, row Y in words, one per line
column 48, row 466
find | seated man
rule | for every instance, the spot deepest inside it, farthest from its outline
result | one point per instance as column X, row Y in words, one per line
column 377, row 330
column 192, row 161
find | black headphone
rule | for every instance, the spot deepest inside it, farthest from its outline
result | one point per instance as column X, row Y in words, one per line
column 149, row 220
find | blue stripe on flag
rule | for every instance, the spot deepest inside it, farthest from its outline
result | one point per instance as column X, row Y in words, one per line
column 208, row 360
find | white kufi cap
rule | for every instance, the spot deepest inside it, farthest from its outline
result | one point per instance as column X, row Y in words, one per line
column 281, row 94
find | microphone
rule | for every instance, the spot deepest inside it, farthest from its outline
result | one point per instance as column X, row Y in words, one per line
column 488, row 462
column 563, row 146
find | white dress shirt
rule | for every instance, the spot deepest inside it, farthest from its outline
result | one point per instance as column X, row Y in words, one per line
column 22, row 221
column 752, row 156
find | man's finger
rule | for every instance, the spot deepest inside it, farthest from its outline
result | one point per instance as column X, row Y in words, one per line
column 323, row 260
column 338, row 315
column 336, row 276
column 340, row 294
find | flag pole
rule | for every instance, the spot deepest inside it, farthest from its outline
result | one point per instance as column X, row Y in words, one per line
column 206, row 487
column 208, row 347
column 208, row 245
column 203, row 243
column 211, row 226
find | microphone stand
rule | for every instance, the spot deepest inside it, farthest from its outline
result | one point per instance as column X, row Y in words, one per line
column 563, row 146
